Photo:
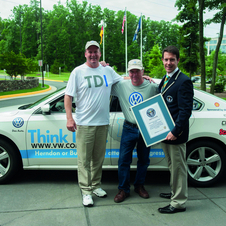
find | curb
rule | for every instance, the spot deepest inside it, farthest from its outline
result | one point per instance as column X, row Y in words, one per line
column 25, row 94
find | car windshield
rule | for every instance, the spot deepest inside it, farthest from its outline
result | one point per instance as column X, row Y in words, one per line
column 29, row 106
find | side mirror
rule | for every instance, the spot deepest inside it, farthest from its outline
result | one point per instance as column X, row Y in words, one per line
column 45, row 109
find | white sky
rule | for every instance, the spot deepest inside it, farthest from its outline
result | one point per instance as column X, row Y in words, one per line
column 155, row 9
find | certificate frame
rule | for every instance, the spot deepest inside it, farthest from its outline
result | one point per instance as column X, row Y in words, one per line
column 154, row 109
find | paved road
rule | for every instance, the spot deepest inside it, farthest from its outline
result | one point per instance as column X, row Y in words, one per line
column 46, row 198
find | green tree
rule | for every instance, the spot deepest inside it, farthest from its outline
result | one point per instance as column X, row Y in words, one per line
column 55, row 67
column 155, row 65
column 163, row 33
column 12, row 33
column 2, row 36
column 201, row 44
column 84, row 25
column 30, row 30
column 219, row 17
column 14, row 64
column 221, row 66
column 111, row 34
column 67, row 29
column 188, row 35
column 57, row 36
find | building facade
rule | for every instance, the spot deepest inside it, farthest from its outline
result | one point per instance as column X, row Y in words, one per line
column 211, row 45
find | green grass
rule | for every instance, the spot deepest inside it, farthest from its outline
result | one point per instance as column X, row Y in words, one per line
column 64, row 76
column 25, row 90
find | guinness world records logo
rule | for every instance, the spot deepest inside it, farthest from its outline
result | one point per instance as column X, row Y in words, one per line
column 151, row 112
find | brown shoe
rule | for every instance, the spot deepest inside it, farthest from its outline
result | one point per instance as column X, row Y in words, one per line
column 121, row 196
column 141, row 191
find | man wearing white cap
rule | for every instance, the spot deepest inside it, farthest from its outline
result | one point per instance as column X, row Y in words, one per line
column 129, row 94
column 91, row 84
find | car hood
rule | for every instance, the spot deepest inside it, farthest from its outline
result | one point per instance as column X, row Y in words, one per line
column 9, row 111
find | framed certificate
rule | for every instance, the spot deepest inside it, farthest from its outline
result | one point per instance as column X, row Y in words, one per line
column 153, row 119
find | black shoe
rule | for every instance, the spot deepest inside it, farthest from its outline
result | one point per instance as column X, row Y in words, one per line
column 166, row 195
column 170, row 209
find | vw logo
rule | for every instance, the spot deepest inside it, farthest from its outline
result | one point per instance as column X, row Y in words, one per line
column 151, row 112
column 18, row 122
column 135, row 98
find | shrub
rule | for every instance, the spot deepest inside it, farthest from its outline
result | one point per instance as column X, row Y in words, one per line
column 220, row 84
column 55, row 67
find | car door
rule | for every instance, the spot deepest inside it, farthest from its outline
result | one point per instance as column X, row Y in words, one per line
column 49, row 143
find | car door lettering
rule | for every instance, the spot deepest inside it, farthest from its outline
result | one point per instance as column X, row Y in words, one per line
column 47, row 137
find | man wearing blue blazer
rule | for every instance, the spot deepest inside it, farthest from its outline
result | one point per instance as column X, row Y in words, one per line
column 177, row 91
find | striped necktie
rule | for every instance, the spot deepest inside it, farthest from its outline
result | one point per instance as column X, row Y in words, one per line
column 165, row 82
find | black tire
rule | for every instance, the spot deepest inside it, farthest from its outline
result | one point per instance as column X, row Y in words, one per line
column 10, row 163
column 206, row 162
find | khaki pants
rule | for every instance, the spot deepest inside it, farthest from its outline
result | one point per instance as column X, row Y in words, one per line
column 176, row 158
column 91, row 147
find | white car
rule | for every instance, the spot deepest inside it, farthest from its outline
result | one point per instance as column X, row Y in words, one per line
column 196, row 79
column 35, row 137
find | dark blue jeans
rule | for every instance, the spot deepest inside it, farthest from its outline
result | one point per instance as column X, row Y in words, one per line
column 130, row 137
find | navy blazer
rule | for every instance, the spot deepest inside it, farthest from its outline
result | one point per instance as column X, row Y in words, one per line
column 178, row 96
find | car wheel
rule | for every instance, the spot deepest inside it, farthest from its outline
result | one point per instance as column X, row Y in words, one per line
column 9, row 162
column 206, row 163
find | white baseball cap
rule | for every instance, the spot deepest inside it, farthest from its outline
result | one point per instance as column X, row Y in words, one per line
column 135, row 64
column 92, row 43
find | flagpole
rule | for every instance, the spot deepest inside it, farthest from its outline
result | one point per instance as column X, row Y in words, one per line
column 141, row 39
column 126, row 42
column 103, row 44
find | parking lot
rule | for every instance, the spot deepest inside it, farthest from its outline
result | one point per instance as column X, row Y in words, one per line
column 54, row 198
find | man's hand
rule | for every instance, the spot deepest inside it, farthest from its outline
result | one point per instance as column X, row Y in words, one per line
column 71, row 125
column 104, row 64
column 170, row 136
column 148, row 78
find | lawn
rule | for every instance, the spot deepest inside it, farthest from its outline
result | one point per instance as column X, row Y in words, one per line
column 64, row 76
column 39, row 88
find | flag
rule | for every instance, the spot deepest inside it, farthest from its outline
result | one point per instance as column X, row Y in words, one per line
column 124, row 19
column 137, row 30
column 101, row 34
